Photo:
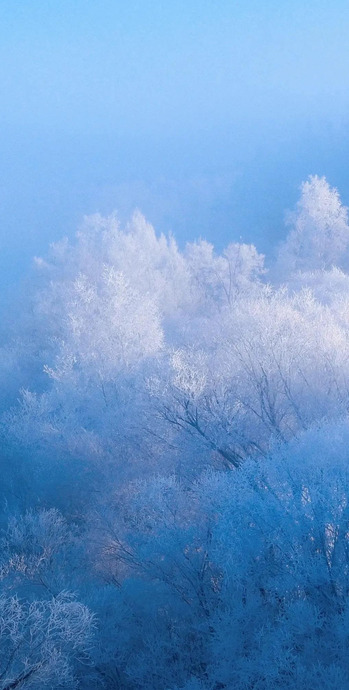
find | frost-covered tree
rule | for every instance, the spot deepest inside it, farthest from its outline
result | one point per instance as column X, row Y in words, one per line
column 114, row 305
column 240, row 580
column 174, row 451
column 259, row 372
column 152, row 357
column 45, row 632
column 39, row 640
column 319, row 230
column 39, row 553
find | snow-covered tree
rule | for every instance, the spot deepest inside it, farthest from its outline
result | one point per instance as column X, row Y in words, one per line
column 319, row 230
column 39, row 641
column 45, row 632
column 174, row 451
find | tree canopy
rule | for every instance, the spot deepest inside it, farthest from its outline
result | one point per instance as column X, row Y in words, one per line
column 174, row 496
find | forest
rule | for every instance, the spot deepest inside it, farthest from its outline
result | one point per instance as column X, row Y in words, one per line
column 174, row 496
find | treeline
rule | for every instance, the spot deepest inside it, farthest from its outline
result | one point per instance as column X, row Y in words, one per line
column 174, row 499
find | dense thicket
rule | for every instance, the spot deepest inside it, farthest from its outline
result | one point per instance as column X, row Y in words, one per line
column 175, row 477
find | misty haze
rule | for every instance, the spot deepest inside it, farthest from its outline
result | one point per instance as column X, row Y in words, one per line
column 174, row 345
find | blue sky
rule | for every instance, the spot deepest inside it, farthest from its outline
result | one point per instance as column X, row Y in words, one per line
column 206, row 115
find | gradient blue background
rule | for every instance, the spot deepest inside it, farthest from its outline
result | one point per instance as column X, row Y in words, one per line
column 205, row 115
